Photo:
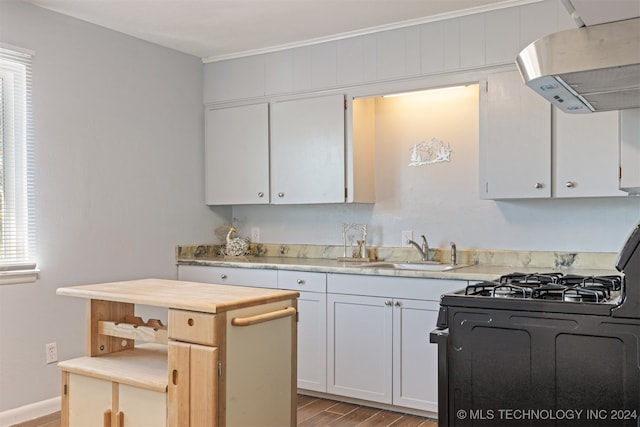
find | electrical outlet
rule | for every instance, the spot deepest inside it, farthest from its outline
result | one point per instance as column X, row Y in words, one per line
column 255, row 234
column 52, row 352
column 406, row 236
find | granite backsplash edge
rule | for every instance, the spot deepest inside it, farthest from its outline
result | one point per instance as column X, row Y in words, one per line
column 537, row 259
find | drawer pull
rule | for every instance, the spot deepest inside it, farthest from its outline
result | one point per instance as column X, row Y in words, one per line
column 223, row 276
column 300, row 281
column 265, row 317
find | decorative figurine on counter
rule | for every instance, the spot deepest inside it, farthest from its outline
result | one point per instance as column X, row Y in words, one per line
column 359, row 252
column 235, row 246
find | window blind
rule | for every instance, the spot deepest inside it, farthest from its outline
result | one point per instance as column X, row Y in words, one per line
column 17, row 167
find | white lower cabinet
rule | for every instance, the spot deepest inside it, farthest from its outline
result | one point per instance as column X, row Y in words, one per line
column 312, row 326
column 359, row 336
column 378, row 338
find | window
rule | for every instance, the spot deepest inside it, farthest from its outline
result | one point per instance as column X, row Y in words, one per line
column 17, row 220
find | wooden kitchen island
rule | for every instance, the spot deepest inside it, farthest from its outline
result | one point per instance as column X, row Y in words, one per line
column 226, row 358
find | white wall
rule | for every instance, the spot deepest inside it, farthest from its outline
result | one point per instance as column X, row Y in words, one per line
column 119, row 149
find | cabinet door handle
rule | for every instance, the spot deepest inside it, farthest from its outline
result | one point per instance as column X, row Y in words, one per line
column 119, row 419
column 388, row 302
column 261, row 194
column 570, row 184
column 265, row 317
column 223, row 276
column 174, row 377
column 300, row 281
column 539, row 185
column 398, row 304
column 106, row 420
column 281, row 194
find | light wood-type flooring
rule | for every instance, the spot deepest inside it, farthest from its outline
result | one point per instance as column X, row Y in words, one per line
column 315, row 412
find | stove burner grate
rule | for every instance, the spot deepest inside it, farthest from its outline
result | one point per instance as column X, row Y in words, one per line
column 548, row 286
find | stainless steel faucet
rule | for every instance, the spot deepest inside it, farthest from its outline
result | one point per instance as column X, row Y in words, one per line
column 424, row 250
column 454, row 253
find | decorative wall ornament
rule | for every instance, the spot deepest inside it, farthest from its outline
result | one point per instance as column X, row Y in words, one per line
column 430, row 152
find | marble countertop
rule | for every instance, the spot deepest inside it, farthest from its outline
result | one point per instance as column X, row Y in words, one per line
column 470, row 272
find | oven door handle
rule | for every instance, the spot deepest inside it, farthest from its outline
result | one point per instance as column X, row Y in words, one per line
column 440, row 336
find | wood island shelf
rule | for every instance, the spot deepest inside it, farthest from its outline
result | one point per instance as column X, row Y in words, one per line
column 226, row 358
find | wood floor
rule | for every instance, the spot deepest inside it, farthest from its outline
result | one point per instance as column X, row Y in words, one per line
column 314, row 412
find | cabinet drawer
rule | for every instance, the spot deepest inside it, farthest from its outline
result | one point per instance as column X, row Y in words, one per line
column 302, row 281
column 193, row 327
column 392, row 287
column 229, row 276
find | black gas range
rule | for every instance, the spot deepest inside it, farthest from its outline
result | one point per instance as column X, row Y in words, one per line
column 544, row 349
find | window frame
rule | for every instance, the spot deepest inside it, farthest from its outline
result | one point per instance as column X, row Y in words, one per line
column 17, row 168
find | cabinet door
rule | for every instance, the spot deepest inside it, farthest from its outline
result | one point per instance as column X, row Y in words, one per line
column 308, row 150
column 359, row 347
column 586, row 154
column 88, row 400
column 312, row 341
column 193, row 385
column 142, row 408
column 237, row 155
column 415, row 360
column 516, row 147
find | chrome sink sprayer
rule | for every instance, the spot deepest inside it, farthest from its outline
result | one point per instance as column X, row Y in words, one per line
column 424, row 250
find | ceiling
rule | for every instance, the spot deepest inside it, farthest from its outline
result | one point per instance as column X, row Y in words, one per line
column 222, row 29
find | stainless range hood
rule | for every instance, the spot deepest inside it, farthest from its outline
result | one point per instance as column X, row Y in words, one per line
column 589, row 69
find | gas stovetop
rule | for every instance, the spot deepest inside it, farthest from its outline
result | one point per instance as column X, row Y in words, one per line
column 550, row 286
column 550, row 292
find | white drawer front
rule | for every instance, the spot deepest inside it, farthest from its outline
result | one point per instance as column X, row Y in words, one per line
column 229, row 276
column 302, row 281
column 393, row 287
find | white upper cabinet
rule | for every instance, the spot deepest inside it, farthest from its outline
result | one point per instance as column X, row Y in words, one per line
column 528, row 152
column 586, row 154
column 516, row 150
column 290, row 152
column 237, row 155
column 308, row 150
column 630, row 149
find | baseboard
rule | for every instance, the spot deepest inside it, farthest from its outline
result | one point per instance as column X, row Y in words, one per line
column 29, row 412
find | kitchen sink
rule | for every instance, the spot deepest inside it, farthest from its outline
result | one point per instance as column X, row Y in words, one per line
column 419, row 266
